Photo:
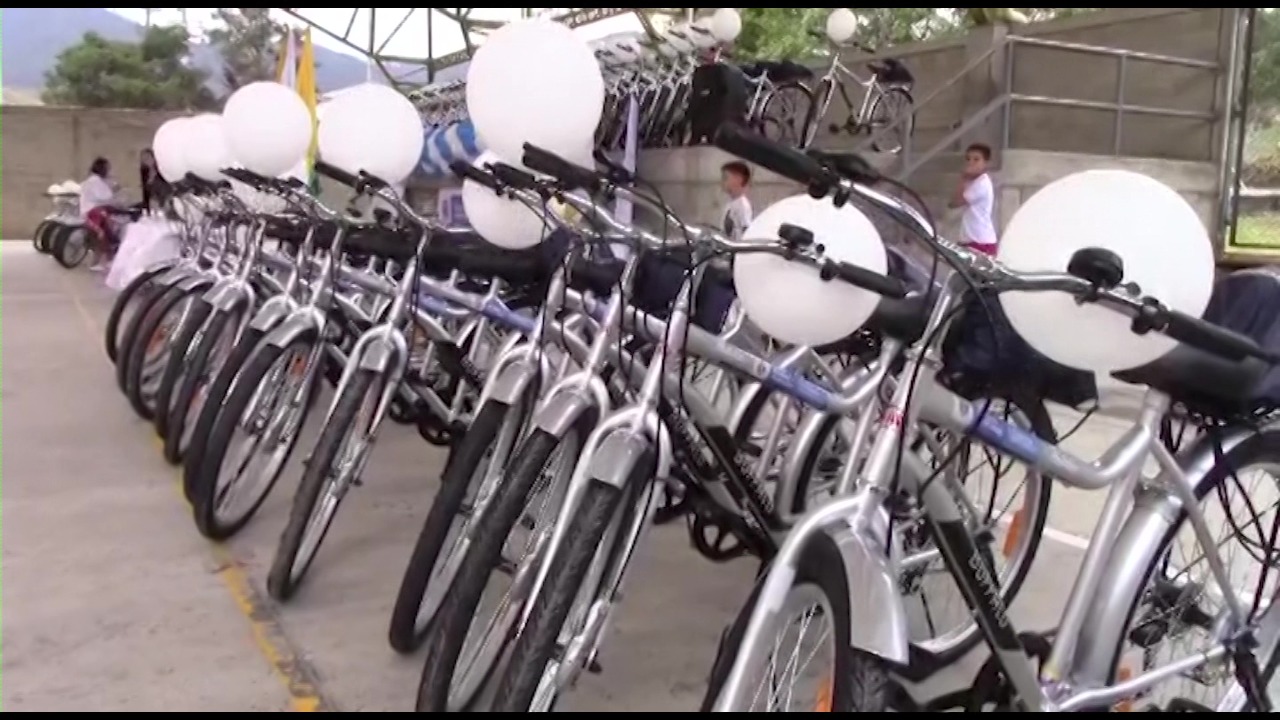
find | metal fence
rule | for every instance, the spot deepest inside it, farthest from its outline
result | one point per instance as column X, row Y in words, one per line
column 1257, row 227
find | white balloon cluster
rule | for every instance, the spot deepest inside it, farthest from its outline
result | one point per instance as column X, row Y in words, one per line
column 266, row 127
column 511, row 102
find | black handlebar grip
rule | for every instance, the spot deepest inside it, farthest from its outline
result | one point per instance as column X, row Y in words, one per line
column 786, row 161
column 548, row 163
column 866, row 279
column 336, row 173
column 513, row 177
column 1211, row 338
column 466, row 171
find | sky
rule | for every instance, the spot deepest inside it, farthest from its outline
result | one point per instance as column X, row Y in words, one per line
column 410, row 41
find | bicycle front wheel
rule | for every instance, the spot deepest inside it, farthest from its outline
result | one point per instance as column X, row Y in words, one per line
column 535, row 648
column 469, row 477
column 803, row 661
column 330, row 470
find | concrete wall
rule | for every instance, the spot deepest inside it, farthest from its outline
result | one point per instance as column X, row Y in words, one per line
column 957, row 77
column 45, row 145
column 1026, row 171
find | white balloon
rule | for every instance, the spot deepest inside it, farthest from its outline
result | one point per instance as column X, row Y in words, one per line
column 1154, row 231
column 170, row 148
column 841, row 25
column 372, row 128
column 789, row 300
column 268, row 128
column 702, row 34
column 726, row 24
column 207, row 150
column 500, row 220
column 535, row 82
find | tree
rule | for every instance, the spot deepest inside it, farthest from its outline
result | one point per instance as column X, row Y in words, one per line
column 795, row 33
column 249, row 42
column 1264, row 73
column 152, row 74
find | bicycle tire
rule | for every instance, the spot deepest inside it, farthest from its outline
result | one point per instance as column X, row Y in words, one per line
column 131, row 370
column 282, row 580
column 213, row 403
column 800, row 122
column 71, row 258
column 114, row 331
column 177, row 366
column 909, row 104
column 565, row 578
column 244, row 384
column 406, row 634
column 38, row 236
column 860, row 682
column 190, row 384
column 446, row 639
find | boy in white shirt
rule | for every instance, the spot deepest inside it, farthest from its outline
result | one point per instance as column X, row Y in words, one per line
column 735, row 178
column 977, row 196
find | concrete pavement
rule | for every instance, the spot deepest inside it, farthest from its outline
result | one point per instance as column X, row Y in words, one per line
column 112, row 602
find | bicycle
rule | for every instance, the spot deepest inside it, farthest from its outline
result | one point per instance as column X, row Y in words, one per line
column 722, row 480
column 848, row 538
column 886, row 102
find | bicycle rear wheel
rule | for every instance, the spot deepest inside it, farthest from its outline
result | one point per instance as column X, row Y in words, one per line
column 1179, row 610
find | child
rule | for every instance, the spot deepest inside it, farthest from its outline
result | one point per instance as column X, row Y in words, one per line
column 735, row 178
column 977, row 196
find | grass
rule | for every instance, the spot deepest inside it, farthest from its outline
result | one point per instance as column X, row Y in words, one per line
column 1258, row 231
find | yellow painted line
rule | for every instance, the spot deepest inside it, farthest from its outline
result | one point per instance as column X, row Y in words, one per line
column 297, row 676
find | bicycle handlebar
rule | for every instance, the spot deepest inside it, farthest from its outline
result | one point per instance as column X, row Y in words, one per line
column 1148, row 313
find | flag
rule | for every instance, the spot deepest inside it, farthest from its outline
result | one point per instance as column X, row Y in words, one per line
column 297, row 71
column 306, row 86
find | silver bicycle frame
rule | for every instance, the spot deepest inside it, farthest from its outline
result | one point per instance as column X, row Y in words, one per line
column 1104, row 591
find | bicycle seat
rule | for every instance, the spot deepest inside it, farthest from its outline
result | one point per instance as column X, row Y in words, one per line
column 1202, row 381
column 891, row 72
column 596, row 276
column 778, row 71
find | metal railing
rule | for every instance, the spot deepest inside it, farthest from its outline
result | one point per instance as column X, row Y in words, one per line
column 1007, row 98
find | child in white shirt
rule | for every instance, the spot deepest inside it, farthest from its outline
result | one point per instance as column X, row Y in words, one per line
column 735, row 178
column 977, row 196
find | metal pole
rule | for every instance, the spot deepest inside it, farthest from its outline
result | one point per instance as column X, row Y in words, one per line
column 1122, row 74
column 1238, row 116
column 368, row 59
column 431, row 45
